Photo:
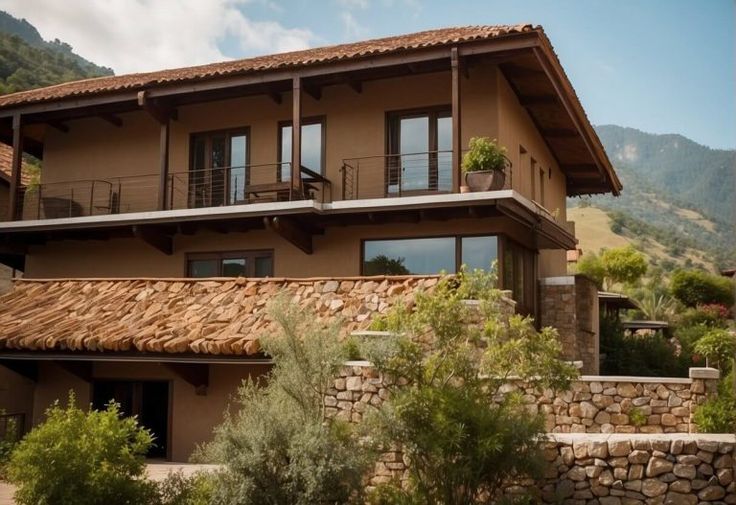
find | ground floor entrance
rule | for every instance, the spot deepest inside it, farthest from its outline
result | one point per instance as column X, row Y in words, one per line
column 149, row 401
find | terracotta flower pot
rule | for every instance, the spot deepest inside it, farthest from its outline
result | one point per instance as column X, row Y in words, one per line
column 485, row 180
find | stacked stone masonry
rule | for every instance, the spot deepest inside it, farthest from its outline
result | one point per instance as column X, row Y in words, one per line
column 619, row 469
column 592, row 405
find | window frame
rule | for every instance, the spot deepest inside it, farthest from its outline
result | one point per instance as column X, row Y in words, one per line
column 249, row 255
column 311, row 120
column 393, row 143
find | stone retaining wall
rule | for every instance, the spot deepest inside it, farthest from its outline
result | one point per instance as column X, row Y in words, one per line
column 619, row 469
column 593, row 404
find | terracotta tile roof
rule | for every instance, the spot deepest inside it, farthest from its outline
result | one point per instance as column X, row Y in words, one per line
column 6, row 163
column 320, row 55
column 204, row 316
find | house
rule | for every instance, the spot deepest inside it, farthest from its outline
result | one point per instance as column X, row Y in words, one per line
column 173, row 205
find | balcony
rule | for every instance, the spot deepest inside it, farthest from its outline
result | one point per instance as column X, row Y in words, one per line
column 365, row 178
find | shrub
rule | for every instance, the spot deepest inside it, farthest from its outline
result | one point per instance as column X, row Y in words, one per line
column 7, row 444
column 178, row 489
column 484, row 154
column 619, row 265
column 280, row 447
column 462, row 447
column 637, row 417
column 694, row 287
column 718, row 346
column 82, row 458
column 711, row 315
column 718, row 415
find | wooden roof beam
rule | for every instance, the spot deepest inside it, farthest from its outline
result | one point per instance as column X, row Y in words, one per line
column 112, row 119
column 80, row 369
column 158, row 111
column 154, row 238
column 290, row 230
column 312, row 90
column 59, row 125
column 196, row 374
column 23, row 367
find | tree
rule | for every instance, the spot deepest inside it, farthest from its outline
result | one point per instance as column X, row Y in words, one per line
column 383, row 265
column 621, row 265
column 85, row 458
column 280, row 448
column 696, row 287
column 445, row 363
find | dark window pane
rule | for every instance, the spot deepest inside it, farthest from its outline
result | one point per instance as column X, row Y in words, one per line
column 203, row 268
column 409, row 256
column 238, row 146
column 479, row 252
column 234, row 267
column 263, row 266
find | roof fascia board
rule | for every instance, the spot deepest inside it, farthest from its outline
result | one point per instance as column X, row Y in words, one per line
column 517, row 41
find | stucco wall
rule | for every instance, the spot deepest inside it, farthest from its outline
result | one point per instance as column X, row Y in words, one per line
column 192, row 417
column 336, row 253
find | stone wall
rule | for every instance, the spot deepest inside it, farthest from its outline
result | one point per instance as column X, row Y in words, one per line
column 593, row 404
column 570, row 304
column 618, row 469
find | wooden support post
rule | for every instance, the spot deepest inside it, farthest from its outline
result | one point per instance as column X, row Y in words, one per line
column 15, row 168
column 163, row 164
column 456, row 120
column 296, row 137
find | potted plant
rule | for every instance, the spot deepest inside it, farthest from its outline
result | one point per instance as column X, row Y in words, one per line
column 484, row 165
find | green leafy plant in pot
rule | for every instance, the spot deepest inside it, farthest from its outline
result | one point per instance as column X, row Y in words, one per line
column 484, row 165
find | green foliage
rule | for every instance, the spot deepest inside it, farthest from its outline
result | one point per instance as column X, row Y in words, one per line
column 718, row 346
column 280, row 447
column 178, row 489
column 383, row 265
column 82, row 458
column 637, row 416
column 656, row 307
column 7, row 443
column 443, row 374
column 484, row 154
column 694, row 287
column 712, row 315
column 649, row 356
column 623, row 265
column 718, row 414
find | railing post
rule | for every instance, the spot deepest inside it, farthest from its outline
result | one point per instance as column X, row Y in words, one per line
column 163, row 163
column 296, row 137
column 456, row 120
column 15, row 168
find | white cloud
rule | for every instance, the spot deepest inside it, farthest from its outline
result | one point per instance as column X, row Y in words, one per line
column 354, row 4
column 143, row 35
column 353, row 29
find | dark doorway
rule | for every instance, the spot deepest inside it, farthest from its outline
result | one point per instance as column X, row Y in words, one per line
column 149, row 400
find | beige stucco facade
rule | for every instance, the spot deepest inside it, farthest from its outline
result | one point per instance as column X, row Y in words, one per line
column 192, row 417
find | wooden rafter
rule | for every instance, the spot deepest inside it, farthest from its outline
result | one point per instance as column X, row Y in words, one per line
column 196, row 374
column 112, row 119
column 155, row 238
column 158, row 111
column 59, row 125
column 312, row 90
column 80, row 369
column 290, row 230
column 26, row 368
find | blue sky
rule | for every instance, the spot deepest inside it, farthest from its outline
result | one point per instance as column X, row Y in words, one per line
column 662, row 66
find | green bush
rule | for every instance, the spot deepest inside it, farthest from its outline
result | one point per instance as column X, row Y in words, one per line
column 695, row 287
column 461, row 446
column 484, row 154
column 281, row 447
column 718, row 346
column 7, row 444
column 718, row 415
column 177, row 489
column 84, row 458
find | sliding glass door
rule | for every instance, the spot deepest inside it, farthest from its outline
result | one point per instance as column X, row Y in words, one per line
column 219, row 168
column 420, row 152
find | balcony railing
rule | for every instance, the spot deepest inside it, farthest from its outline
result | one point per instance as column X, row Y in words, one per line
column 400, row 175
column 190, row 189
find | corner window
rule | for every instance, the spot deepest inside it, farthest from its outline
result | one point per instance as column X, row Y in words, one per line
column 313, row 146
column 519, row 276
column 230, row 264
column 428, row 255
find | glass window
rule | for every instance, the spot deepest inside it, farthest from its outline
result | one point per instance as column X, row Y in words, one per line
column 479, row 252
column 312, row 147
column 203, row 268
column 409, row 256
column 518, row 275
column 219, row 168
column 230, row 264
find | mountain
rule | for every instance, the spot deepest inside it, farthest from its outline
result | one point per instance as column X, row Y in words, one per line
column 27, row 61
column 678, row 201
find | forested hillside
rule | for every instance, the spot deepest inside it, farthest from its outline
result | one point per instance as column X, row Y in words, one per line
column 677, row 193
column 27, row 61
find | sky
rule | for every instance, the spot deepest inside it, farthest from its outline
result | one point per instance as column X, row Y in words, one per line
column 662, row 66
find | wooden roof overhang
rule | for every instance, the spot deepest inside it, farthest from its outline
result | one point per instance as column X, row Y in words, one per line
column 296, row 222
column 526, row 59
